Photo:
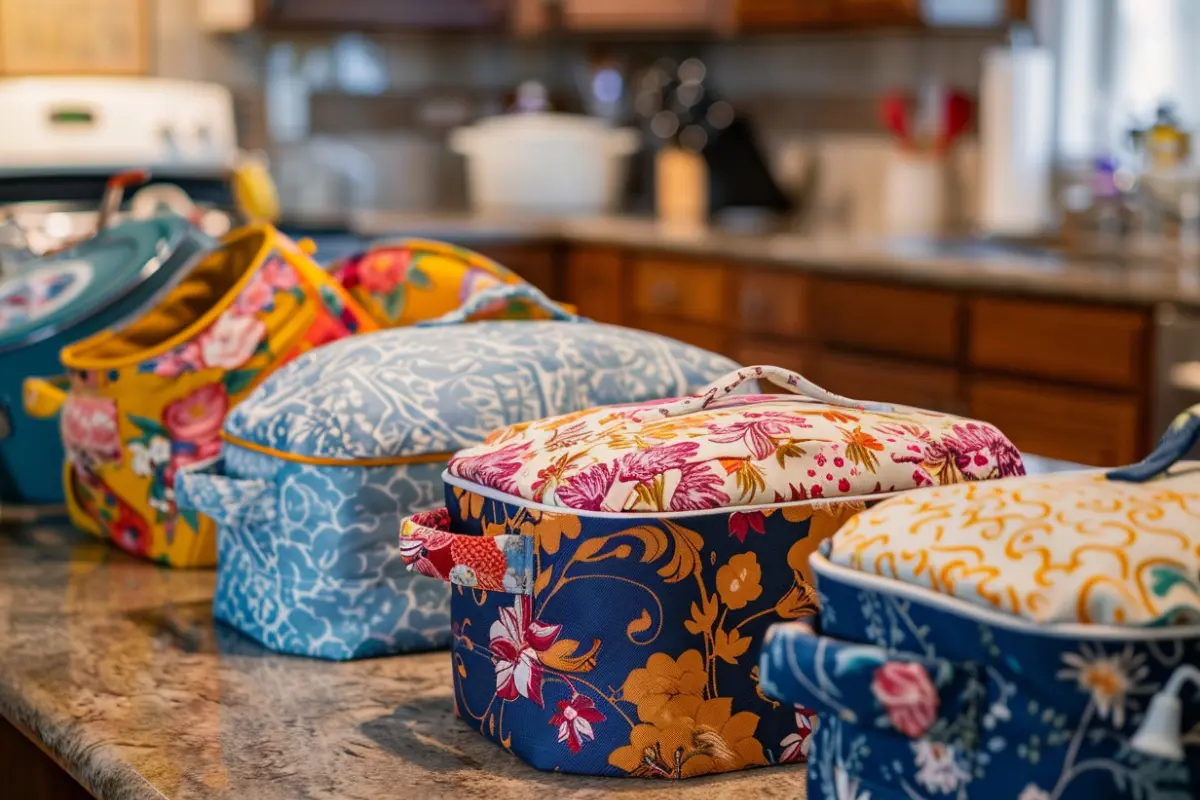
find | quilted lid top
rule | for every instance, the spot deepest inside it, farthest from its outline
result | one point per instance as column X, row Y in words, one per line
column 720, row 450
column 1121, row 548
column 428, row 391
column 60, row 289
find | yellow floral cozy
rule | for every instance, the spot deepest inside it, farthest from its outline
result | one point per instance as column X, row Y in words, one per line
column 412, row 280
column 149, row 398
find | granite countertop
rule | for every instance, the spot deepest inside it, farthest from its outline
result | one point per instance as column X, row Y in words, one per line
column 1125, row 278
column 116, row 668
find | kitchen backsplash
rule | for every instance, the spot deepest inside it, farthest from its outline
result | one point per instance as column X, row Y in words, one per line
column 360, row 121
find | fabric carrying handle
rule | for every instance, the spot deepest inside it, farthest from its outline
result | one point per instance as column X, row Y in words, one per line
column 1180, row 437
column 795, row 383
column 479, row 302
column 44, row 397
column 228, row 501
column 492, row 563
column 869, row 687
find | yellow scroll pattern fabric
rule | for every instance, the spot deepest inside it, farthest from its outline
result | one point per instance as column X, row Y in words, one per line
column 1068, row 548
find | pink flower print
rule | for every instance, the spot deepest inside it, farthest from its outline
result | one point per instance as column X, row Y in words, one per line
column 586, row 489
column 907, row 695
column 257, row 295
column 759, row 432
column 89, row 429
column 844, row 485
column 381, row 271
column 178, row 361
column 516, row 640
column 982, row 450
column 742, row 522
column 795, row 745
column 642, row 466
column 194, row 423
column 574, row 719
column 278, row 274
column 231, row 340
column 699, row 488
column 495, row 469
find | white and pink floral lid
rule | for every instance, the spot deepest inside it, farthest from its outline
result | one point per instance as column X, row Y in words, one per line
column 719, row 449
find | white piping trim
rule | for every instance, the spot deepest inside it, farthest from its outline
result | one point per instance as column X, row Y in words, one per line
column 493, row 494
column 1066, row 630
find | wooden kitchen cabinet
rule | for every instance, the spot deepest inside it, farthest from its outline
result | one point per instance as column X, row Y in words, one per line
column 636, row 15
column 395, row 14
column 886, row 318
column 596, row 284
column 1096, row 428
column 683, row 290
column 877, row 12
column 889, row 380
column 776, row 14
column 1070, row 342
column 534, row 263
column 771, row 302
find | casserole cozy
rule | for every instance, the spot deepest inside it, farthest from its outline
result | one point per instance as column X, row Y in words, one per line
column 1028, row 638
column 59, row 299
column 616, row 568
column 411, row 280
column 148, row 397
column 325, row 459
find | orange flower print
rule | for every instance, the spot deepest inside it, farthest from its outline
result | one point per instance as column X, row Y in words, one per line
column 665, row 689
column 738, row 581
column 861, row 448
column 834, row 415
column 713, row 740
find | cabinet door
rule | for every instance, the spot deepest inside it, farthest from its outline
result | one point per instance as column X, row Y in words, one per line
column 618, row 15
column 684, row 290
column 768, row 14
column 889, row 380
column 1090, row 427
column 595, row 284
column 533, row 263
column 423, row 14
column 886, row 318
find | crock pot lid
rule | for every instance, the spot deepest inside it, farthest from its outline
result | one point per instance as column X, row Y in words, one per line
column 71, row 285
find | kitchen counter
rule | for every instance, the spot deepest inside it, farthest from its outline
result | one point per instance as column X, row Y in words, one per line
column 1121, row 279
column 116, row 669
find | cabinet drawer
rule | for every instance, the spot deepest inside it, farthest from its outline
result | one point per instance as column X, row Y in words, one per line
column 771, row 302
column 1088, row 427
column 534, row 264
column 889, row 380
column 1089, row 344
column 699, row 334
column 595, row 284
column 750, row 351
column 888, row 319
column 691, row 291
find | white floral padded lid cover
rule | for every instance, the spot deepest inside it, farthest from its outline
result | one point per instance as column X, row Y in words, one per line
column 720, row 449
column 1115, row 548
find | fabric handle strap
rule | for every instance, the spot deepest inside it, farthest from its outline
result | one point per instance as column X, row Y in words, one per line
column 1179, row 439
column 492, row 563
column 793, row 382
column 479, row 302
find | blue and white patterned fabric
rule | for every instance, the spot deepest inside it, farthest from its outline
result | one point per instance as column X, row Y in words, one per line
column 1055, row 656
column 323, row 461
